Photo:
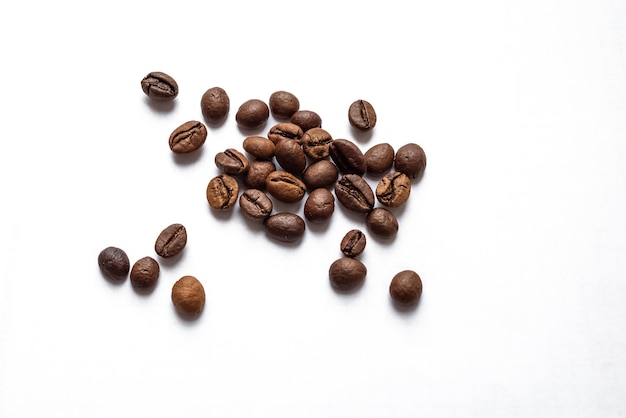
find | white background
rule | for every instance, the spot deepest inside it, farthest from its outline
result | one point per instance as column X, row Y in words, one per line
column 518, row 228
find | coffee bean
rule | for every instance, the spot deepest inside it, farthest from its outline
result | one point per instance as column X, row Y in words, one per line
column 252, row 114
column 114, row 263
column 215, row 105
column 406, row 287
column 321, row 173
column 394, row 189
column 379, row 158
column 410, row 160
column 259, row 147
column 316, row 143
column 306, row 119
column 171, row 241
column 188, row 296
column 159, row 86
column 361, row 115
column 348, row 157
column 145, row 273
column 285, row 130
column 232, row 162
column 382, row 222
column 290, row 156
column 353, row 243
column 257, row 173
column 283, row 104
column 285, row 187
column 222, row 192
column 255, row 204
column 347, row 273
column 285, row 226
column 319, row 206
column 354, row 193
column 188, row 137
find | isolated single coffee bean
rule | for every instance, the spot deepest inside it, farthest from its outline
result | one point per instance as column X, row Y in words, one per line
column 252, row 114
column 259, row 147
column 171, row 241
column 188, row 296
column 348, row 157
column 215, row 105
column 361, row 115
column 255, row 204
column 188, row 137
column 406, row 288
column 285, row 226
column 285, row 130
column 394, row 189
column 379, row 158
column 159, row 86
column 347, row 273
column 322, row 173
column 290, row 156
column 222, row 192
column 410, row 160
column 306, row 119
column 319, row 205
column 285, row 187
column 382, row 222
column 232, row 162
column 316, row 143
column 114, row 264
column 145, row 273
column 353, row 243
column 354, row 193
column 283, row 104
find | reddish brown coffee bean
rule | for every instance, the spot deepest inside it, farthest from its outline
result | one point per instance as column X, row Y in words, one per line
column 215, row 105
column 114, row 264
column 232, row 162
column 252, row 114
column 159, row 86
column 406, row 288
column 285, row 227
column 257, row 174
column 379, row 158
column 222, row 192
column 353, row 243
column 283, row 104
column 321, row 173
column 410, row 160
column 394, row 189
column 347, row 273
column 255, row 204
column 259, row 147
column 188, row 137
column 145, row 273
column 354, row 193
column 188, row 296
column 382, row 222
column 171, row 241
column 316, row 143
column 290, row 156
column 319, row 205
column 306, row 119
column 285, row 187
column 361, row 115
column 285, row 130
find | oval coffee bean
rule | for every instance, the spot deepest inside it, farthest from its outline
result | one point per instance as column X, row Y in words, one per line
column 354, row 193
column 347, row 273
column 353, row 243
column 361, row 115
column 159, row 86
column 316, row 143
column 188, row 137
column 406, row 288
column 379, row 158
column 382, row 222
column 306, row 119
column 222, row 192
column 215, row 105
column 259, row 147
column 171, row 241
column 394, row 189
column 283, row 104
column 145, row 273
column 188, row 296
column 290, row 156
column 410, row 160
column 285, row 187
column 252, row 114
column 232, row 162
column 255, row 204
column 285, row 130
column 114, row 263
column 257, row 173
column 348, row 157
column 321, row 173
column 285, row 226
column 319, row 206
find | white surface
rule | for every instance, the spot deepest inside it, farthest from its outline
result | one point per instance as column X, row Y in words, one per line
column 518, row 228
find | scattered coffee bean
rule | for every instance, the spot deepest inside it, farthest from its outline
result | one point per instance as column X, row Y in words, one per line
column 316, row 143
column 255, row 204
column 257, row 173
column 394, row 189
column 347, row 273
column 354, row 193
column 406, row 288
column 321, row 173
column 348, row 157
column 361, row 115
column 145, row 273
column 283, row 104
column 114, row 263
column 410, row 160
column 285, row 187
column 232, row 162
column 252, row 114
column 382, row 222
column 188, row 137
column 188, row 296
column 353, row 243
column 222, row 192
column 215, row 105
column 306, row 119
column 259, row 147
column 159, row 86
column 285, row 226
column 171, row 241
column 290, row 156
column 319, row 206
column 379, row 158
column 285, row 130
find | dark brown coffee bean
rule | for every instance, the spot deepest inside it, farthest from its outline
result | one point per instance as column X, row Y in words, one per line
column 255, row 204
column 316, row 143
column 215, row 105
column 171, row 241
column 354, row 193
column 319, row 206
column 347, row 273
column 411, row 160
column 188, row 296
column 290, row 156
column 283, row 104
column 353, row 243
column 232, row 162
column 285, row 226
column 259, row 147
column 406, row 288
column 257, row 174
column 145, row 273
column 361, row 115
column 285, row 187
column 114, row 263
column 222, row 192
column 348, row 157
column 285, row 130
column 159, row 86
column 394, row 189
column 252, row 114
column 306, row 119
column 321, row 173
column 382, row 222
column 379, row 158
column 188, row 137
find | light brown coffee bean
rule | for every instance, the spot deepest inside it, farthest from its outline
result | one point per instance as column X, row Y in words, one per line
column 347, row 273
column 285, row 227
column 283, row 104
column 382, row 222
column 222, row 192
column 257, row 174
column 255, row 204
column 285, row 130
column 411, row 160
column 188, row 137
column 361, row 115
column 259, row 147
column 406, row 288
column 188, row 296
column 379, row 158
column 316, row 143
column 394, row 189
column 252, row 114
column 353, row 243
column 171, row 241
column 145, row 273
column 285, row 187
column 306, row 119
column 232, row 162
column 319, row 205
column 322, row 173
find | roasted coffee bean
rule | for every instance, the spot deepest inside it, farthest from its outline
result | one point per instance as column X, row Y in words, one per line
column 285, row 130
column 114, row 263
column 306, row 119
column 316, row 143
column 285, row 187
column 361, row 115
column 188, row 137
column 252, row 114
column 171, row 241
column 255, row 204
column 394, row 189
column 321, row 173
column 188, row 296
column 354, row 193
column 145, row 273
column 353, row 243
column 283, row 104
column 319, row 205
column 410, row 160
column 347, row 273
column 406, row 288
column 159, row 86
column 379, row 158
column 259, row 147
column 215, row 105
column 348, row 157
column 232, row 162
column 290, row 156
column 257, row 173
column 285, row 226
column 222, row 192
column 382, row 222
